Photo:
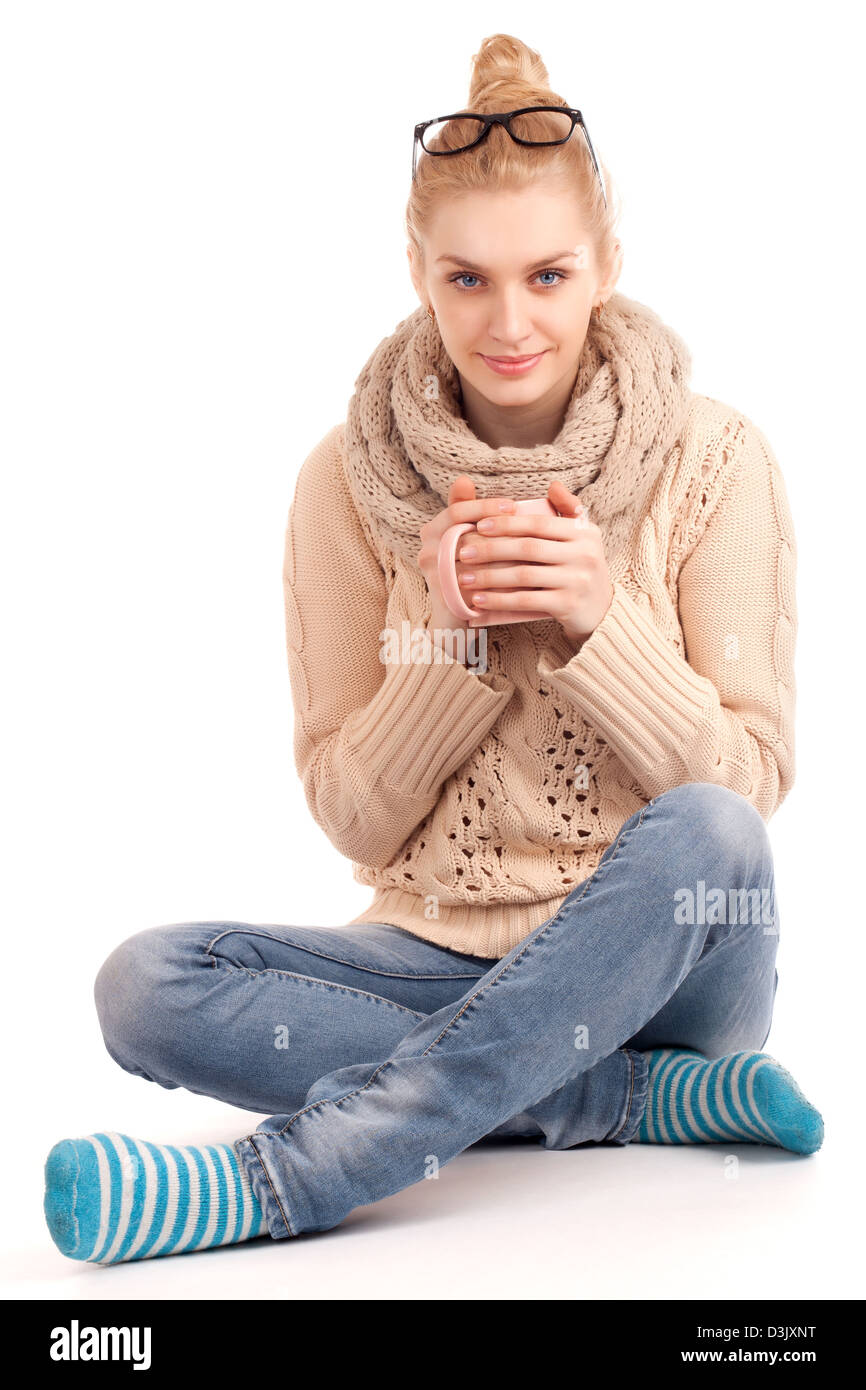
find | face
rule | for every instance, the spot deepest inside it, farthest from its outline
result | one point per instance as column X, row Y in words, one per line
column 510, row 276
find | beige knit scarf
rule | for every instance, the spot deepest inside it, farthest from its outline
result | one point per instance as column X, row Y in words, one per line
column 407, row 438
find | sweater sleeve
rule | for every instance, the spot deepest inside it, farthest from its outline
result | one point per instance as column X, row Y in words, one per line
column 724, row 713
column 374, row 739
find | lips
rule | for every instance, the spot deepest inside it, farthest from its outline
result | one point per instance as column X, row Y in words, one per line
column 512, row 366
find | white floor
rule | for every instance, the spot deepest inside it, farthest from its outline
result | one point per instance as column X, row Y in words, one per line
column 502, row 1221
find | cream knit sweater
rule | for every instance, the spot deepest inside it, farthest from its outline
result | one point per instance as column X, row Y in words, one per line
column 474, row 803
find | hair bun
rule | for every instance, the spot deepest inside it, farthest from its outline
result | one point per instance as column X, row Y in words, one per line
column 503, row 64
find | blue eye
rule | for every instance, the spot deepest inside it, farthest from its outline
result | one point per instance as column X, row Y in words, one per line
column 470, row 275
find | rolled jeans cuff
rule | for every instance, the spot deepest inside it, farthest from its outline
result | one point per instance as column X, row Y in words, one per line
column 274, row 1207
column 636, row 1102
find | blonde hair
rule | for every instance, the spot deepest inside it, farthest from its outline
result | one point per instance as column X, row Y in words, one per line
column 506, row 74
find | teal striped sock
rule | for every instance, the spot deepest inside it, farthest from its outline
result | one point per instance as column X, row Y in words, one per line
column 746, row 1097
column 109, row 1198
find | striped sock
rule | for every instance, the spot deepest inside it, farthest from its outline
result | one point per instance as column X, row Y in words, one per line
column 109, row 1198
column 746, row 1097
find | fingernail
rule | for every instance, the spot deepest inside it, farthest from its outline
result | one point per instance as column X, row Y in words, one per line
column 506, row 506
column 479, row 599
column 467, row 579
column 467, row 552
column 486, row 524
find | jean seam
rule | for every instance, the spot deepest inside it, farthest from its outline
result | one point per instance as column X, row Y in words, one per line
column 338, row 960
column 628, row 1053
column 325, row 984
column 250, row 1140
column 621, row 837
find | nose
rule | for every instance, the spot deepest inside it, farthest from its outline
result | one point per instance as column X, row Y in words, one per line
column 510, row 325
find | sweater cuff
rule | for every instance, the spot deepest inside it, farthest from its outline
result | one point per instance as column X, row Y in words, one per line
column 426, row 718
column 635, row 689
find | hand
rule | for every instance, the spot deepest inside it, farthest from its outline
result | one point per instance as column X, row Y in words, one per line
column 550, row 562
column 462, row 506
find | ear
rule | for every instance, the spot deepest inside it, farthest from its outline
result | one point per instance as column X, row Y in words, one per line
column 616, row 270
column 410, row 253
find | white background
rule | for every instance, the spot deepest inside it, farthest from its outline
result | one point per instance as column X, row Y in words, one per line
column 202, row 243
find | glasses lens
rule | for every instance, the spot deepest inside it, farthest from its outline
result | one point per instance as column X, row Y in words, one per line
column 541, row 126
column 451, row 135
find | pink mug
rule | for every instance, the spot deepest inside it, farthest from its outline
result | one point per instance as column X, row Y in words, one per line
column 447, row 556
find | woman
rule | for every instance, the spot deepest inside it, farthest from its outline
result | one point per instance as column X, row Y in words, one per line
column 560, row 803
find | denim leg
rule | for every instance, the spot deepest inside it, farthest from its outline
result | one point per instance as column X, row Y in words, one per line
column 598, row 1105
column 563, row 1001
column 602, row 1104
column 725, row 1003
column 258, row 1015
column 254, row 1014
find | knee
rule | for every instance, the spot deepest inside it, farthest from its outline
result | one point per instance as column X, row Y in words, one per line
column 132, row 992
column 724, row 822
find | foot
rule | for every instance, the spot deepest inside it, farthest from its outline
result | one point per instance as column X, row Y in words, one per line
column 109, row 1198
column 746, row 1097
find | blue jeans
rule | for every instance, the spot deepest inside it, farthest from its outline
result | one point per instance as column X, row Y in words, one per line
column 384, row 1056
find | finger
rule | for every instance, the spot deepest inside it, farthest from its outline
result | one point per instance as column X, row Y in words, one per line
column 471, row 510
column 564, row 501
column 518, row 600
column 462, row 489
column 474, row 509
column 527, row 603
column 528, row 550
column 521, row 576
column 534, row 524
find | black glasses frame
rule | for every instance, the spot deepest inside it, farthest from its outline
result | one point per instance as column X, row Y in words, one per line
column 503, row 118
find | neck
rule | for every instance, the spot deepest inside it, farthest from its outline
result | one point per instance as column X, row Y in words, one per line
column 516, row 426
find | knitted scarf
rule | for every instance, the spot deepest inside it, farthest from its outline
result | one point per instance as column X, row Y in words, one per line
column 407, row 438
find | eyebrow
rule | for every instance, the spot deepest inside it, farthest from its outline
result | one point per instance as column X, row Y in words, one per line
column 470, row 265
